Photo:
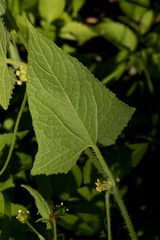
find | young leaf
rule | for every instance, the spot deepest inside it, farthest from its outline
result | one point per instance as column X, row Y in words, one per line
column 6, row 224
column 77, row 31
column 50, row 9
column 7, row 78
column 119, row 34
column 42, row 205
column 71, row 110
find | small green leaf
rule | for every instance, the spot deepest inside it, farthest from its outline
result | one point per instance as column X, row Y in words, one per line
column 7, row 79
column 71, row 110
column 77, row 5
column 8, row 183
column 122, row 159
column 74, row 223
column 134, row 9
column 68, row 182
column 6, row 224
column 119, row 34
column 51, row 9
column 147, row 21
column 6, row 138
column 42, row 205
column 77, row 31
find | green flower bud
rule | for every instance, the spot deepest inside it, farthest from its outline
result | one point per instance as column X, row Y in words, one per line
column 18, row 73
column 23, row 217
column 23, row 70
column 19, row 82
column 23, row 77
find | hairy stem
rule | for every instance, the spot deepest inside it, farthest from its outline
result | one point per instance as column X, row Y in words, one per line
column 124, row 212
column 14, row 133
column 4, row 9
column 116, row 193
column 107, row 195
column 15, row 62
column 95, row 161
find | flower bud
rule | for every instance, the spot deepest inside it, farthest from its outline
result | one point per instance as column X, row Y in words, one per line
column 23, row 217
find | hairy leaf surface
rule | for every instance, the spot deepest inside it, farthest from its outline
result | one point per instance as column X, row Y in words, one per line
column 7, row 79
column 71, row 110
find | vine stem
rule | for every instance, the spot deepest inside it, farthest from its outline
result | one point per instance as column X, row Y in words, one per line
column 107, row 196
column 16, row 62
column 14, row 133
column 116, row 193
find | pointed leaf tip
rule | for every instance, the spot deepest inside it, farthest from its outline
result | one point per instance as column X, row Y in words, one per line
column 71, row 110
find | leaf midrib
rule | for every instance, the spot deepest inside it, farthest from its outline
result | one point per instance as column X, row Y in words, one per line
column 85, row 130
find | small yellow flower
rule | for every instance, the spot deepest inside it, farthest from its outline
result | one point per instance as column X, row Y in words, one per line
column 118, row 180
column 99, row 186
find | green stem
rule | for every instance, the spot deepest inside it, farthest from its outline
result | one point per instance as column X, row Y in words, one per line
column 4, row 9
column 34, row 230
column 54, row 228
column 116, row 193
column 14, row 133
column 16, row 62
column 104, row 166
column 95, row 161
column 124, row 212
column 107, row 195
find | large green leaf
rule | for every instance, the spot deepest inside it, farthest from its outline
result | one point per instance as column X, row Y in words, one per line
column 71, row 110
column 51, row 9
column 7, row 78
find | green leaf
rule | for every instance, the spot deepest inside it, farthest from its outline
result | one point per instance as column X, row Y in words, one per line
column 8, row 183
column 16, row 207
column 119, row 34
column 77, row 5
column 51, row 9
column 65, row 184
column 123, row 159
column 6, row 138
column 42, row 205
column 71, row 110
column 77, row 31
column 7, row 78
column 147, row 21
column 6, row 224
column 134, row 9
column 74, row 223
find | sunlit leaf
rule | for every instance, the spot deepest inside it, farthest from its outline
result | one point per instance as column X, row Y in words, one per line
column 119, row 34
column 7, row 78
column 50, row 9
column 71, row 110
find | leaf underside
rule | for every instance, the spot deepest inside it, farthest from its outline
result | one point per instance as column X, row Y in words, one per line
column 71, row 110
column 7, row 79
